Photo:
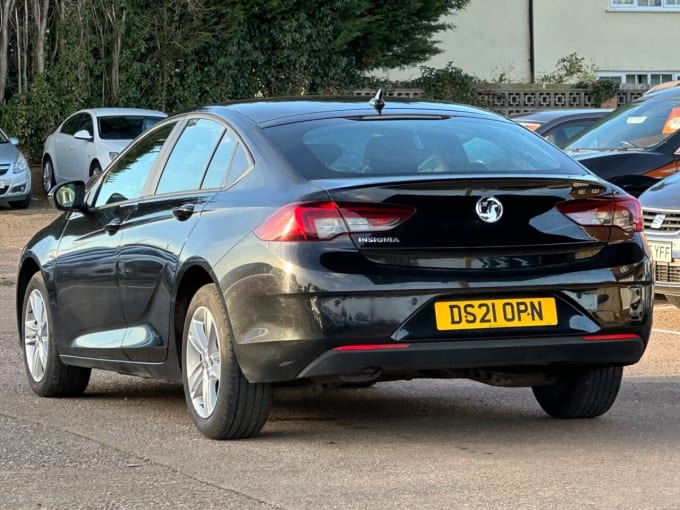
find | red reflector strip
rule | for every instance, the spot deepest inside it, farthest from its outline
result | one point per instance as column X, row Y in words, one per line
column 370, row 347
column 603, row 338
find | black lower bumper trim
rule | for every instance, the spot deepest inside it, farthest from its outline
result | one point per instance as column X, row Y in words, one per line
column 460, row 355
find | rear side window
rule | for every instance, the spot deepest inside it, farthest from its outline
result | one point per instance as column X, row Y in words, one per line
column 240, row 164
column 334, row 148
column 217, row 169
column 190, row 156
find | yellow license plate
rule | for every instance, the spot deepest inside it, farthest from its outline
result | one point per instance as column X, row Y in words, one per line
column 495, row 313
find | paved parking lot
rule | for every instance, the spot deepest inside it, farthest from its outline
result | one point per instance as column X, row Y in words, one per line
column 129, row 443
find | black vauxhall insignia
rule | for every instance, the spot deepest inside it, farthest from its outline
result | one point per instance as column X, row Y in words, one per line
column 337, row 242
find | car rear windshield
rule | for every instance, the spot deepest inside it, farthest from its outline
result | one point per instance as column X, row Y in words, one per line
column 118, row 127
column 637, row 125
column 347, row 147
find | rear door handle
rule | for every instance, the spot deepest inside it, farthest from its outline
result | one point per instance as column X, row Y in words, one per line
column 183, row 212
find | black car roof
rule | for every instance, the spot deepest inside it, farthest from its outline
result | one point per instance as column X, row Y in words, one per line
column 273, row 111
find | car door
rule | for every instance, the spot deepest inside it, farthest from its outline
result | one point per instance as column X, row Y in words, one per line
column 90, row 318
column 155, row 232
column 79, row 151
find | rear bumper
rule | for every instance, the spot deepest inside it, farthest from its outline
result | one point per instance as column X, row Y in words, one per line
column 287, row 361
column 487, row 354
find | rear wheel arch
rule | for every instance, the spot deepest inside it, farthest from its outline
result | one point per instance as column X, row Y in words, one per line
column 192, row 279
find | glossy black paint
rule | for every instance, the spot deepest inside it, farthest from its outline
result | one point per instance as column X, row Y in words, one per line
column 627, row 169
column 120, row 276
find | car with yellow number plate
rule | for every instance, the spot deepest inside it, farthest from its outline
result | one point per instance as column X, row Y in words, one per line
column 335, row 242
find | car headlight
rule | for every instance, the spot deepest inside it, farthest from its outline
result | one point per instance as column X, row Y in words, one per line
column 20, row 165
column 113, row 155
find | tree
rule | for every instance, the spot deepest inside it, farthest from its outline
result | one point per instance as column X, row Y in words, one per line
column 60, row 55
column 6, row 7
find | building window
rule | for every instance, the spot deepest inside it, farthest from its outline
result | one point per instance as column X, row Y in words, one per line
column 639, row 79
column 645, row 5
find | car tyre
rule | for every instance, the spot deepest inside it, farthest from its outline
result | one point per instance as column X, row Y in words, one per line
column 222, row 403
column 674, row 300
column 48, row 181
column 95, row 169
column 21, row 204
column 47, row 375
column 581, row 393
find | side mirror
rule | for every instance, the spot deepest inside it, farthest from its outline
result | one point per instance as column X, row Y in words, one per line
column 83, row 134
column 68, row 196
column 13, row 140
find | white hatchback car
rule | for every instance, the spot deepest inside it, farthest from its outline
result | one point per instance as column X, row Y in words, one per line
column 88, row 140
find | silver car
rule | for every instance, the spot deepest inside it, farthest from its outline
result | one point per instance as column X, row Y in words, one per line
column 15, row 177
column 661, row 210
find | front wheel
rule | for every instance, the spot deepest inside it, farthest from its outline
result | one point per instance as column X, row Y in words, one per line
column 222, row 403
column 47, row 175
column 47, row 375
column 580, row 393
column 95, row 169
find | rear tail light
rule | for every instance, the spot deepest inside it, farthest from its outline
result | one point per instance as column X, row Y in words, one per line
column 622, row 212
column 321, row 221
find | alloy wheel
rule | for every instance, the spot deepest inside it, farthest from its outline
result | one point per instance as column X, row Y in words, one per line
column 203, row 362
column 36, row 335
column 47, row 176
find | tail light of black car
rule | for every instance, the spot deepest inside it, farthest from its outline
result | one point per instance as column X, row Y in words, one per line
column 322, row 221
column 622, row 212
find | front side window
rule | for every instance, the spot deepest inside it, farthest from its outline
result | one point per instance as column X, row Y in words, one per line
column 126, row 177
column 638, row 125
column 72, row 124
column 85, row 124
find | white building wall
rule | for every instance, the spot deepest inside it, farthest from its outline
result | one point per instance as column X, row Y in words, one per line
column 612, row 40
column 491, row 39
